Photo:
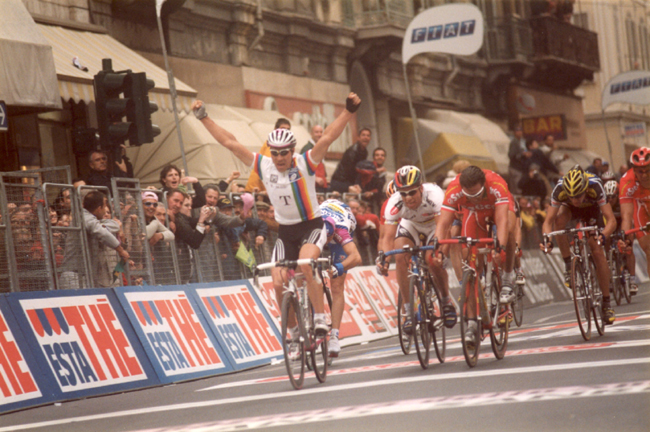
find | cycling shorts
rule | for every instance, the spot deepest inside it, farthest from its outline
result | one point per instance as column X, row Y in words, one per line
column 419, row 235
column 291, row 239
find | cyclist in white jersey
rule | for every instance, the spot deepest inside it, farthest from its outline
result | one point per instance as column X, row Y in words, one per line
column 290, row 182
column 340, row 224
column 418, row 205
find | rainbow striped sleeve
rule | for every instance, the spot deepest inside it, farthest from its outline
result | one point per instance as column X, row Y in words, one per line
column 311, row 166
column 257, row 164
column 301, row 195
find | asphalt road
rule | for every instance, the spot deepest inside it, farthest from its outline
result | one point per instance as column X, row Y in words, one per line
column 550, row 380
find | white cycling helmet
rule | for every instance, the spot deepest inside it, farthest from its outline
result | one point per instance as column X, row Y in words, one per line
column 611, row 188
column 281, row 139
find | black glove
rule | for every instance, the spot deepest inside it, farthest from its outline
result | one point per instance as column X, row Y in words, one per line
column 350, row 105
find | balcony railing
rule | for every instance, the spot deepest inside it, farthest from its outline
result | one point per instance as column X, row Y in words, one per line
column 508, row 39
column 377, row 12
column 554, row 38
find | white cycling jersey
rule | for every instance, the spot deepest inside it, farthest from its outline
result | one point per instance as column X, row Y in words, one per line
column 292, row 192
column 424, row 216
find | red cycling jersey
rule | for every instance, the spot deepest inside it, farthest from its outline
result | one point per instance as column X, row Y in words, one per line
column 474, row 213
column 631, row 192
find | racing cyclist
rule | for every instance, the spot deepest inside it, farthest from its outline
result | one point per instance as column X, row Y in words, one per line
column 482, row 195
column 635, row 197
column 579, row 196
column 340, row 224
column 291, row 185
column 418, row 206
column 611, row 190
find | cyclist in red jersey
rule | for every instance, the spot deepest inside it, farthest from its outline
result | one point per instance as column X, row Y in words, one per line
column 482, row 194
column 635, row 198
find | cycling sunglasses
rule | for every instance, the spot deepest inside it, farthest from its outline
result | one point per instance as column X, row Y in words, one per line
column 277, row 153
column 409, row 193
column 476, row 195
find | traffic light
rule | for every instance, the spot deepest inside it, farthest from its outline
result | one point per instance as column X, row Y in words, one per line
column 140, row 115
column 112, row 107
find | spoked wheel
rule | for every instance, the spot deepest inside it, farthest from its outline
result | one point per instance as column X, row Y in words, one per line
column 404, row 339
column 626, row 280
column 470, row 353
column 581, row 301
column 294, row 351
column 420, row 322
column 498, row 332
column 597, row 303
column 616, row 283
column 437, row 327
column 518, row 305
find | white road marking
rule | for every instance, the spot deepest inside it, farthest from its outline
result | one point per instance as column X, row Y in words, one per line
column 332, row 389
column 413, row 405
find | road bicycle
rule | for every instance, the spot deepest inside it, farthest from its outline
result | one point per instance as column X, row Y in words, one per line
column 621, row 278
column 296, row 308
column 425, row 307
column 481, row 281
column 587, row 296
column 517, row 305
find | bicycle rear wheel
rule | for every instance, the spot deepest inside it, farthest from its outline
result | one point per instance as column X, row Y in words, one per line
column 518, row 305
column 420, row 324
column 615, row 269
column 294, row 351
column 436, row 326
column 580, row 299
column 471, row 354
column 498, row 332
column 597, row 300
column 404, row 339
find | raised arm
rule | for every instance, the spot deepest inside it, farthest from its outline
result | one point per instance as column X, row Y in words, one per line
column 224, row 137
column 334, row 129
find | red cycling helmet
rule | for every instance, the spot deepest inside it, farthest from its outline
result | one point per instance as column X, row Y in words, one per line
column 640, row 157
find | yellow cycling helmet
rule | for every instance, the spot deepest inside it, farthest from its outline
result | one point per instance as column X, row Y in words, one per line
column 575, row 182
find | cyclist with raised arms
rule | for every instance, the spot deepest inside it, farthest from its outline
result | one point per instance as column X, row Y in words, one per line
column 418, row 206
column 635, row 198
column 340, row 224
column 291, row 185
column 580, row 196
column 482, row 195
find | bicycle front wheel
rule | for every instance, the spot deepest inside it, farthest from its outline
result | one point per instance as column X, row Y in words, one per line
column 498, row 331
column 597, row 300
column 317, row 349
column 470, row 351
column 518, row 305
column 294, row 349
column 404, row 339
column 615, row 269
column 437, row 327
column 421, row 327
column 580, row 299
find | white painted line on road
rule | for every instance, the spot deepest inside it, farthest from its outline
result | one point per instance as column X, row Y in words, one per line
column 333, row 389
column 413, row 405
column 459, row 358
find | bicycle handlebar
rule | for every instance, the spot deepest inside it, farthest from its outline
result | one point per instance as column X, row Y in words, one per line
column 646, row 227
column 293, row 263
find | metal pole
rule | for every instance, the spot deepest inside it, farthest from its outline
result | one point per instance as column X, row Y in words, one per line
column 172, row 89
column 609, row 144
column 413, row 117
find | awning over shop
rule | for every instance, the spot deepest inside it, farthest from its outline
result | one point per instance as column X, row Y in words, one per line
column 207, row 160
column 442, row 145
column 90, row 48
column 27, row 72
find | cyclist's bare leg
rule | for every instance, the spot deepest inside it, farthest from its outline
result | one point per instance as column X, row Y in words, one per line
column 471, row 297
column 279, row 275
column 562, row 219
column 602, row 267
column 402, row 266
column 644, row 242
column 440, row 275
column 337, row 286
column 314, row 285
column 511, row 246
column 455, row 251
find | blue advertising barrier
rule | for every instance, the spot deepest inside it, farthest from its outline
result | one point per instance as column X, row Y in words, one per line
column 238, row 317
column 174, row 332
column 82, row 343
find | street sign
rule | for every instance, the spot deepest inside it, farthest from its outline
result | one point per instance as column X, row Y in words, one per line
column 4, row 120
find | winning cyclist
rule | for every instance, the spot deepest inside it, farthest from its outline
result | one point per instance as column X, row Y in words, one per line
column 635, row 197
column 580, row 196
column 291, row 185
column 418, row 205
column 340, row 225
column 482, row 195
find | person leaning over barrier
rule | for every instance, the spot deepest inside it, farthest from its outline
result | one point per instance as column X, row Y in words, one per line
column 291, row 185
